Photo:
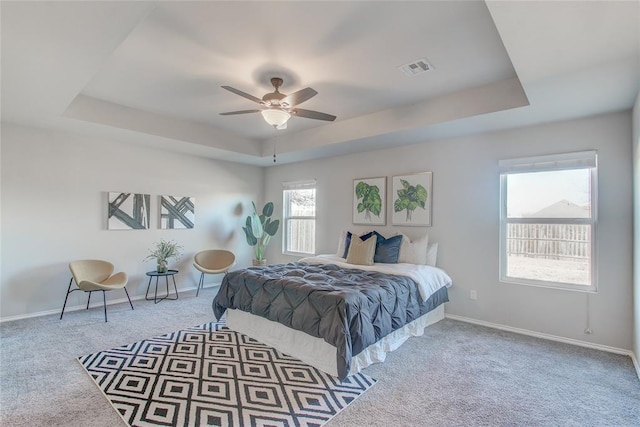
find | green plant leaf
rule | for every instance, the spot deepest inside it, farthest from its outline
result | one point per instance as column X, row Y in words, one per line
column 421, row 194
column 376, row 206
column 251, row 239
column 256, row 226
column 373, row 203
column 400, row 204
column 272, row 227
column 268, row 209
column 361, row 189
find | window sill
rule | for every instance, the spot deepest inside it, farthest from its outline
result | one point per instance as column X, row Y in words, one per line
column 551, row 285
column 298, row 254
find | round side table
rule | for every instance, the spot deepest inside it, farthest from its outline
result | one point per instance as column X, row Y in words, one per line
column 157, row 275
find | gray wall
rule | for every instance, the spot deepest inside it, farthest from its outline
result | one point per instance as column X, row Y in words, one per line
column 54, row 188
column 636, row 231
column 53, row 195
column 466, row 221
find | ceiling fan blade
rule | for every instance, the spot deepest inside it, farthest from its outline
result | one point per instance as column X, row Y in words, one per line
column 309, row 114
column 298, row 97
column 243, row 94
column 231, row 113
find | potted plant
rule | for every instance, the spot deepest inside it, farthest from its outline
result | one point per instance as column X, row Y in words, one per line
column 162, row 252
column 259, row 230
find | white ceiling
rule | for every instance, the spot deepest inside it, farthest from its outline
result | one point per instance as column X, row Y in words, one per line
column 150, row 72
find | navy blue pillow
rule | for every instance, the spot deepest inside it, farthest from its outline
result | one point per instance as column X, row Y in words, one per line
column 347, row 241
column 387, row 250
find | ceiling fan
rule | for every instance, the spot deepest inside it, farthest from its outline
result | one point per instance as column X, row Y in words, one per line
column 278, row 107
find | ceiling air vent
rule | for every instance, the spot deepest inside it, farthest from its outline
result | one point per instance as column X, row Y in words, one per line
column 416, row 67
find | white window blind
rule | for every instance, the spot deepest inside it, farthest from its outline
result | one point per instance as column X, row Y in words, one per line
column 299, row 185
column 566, row 161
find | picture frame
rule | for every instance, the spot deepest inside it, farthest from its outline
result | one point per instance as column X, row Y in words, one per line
column 128, row 211
column 412, row 197
column 176, row 212
column 370, row 201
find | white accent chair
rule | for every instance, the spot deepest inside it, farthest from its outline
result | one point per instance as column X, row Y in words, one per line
column 213, row 261
column 95, row 275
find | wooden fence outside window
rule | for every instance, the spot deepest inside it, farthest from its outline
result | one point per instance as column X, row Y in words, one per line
column 549, row 241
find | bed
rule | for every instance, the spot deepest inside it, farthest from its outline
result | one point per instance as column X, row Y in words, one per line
column 335, row 316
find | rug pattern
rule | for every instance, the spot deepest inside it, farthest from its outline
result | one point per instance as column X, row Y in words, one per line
column 210, row 375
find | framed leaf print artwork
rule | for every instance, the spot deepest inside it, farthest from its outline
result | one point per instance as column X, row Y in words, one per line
column 369, row 201
column 412, row 197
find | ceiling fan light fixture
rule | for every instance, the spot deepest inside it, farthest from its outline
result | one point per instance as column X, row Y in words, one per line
column 275, row 117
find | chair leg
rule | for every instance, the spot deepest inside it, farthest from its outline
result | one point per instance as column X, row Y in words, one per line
column 65, row 298
column 104, row 300
column 200, row 283
column 125, row 290
column 89, row 300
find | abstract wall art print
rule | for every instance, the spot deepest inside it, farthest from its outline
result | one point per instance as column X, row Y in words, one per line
column 412, row 197
column 177, row 212
column 128, row 211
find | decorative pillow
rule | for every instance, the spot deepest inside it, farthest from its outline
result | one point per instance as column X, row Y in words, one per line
column 414, row 252
column 347, row 241
column 387, row 250
column 361, row 251
column 432, row 254
column 341, row 249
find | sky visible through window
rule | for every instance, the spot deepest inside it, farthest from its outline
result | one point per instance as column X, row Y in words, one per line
column 529, row 193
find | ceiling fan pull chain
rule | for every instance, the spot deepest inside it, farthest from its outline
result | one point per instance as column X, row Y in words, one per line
column 274, row 149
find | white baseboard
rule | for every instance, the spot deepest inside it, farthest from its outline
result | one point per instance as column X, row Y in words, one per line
column 97, row 303
column 634, row 359
column 550, row 337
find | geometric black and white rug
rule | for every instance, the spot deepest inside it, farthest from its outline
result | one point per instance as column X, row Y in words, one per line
column 210, row 375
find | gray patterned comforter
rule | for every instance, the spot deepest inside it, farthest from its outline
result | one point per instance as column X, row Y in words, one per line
column 348, row 308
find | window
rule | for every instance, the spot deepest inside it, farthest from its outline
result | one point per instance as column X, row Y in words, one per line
column 299, row 236
column 548, row 220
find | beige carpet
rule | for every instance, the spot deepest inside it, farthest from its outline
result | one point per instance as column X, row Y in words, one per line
column 457, row 374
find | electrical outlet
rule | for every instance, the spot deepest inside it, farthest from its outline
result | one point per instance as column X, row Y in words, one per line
column 473, row 295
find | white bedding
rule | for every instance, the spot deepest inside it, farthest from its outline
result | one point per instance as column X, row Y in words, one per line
column 317, row 352
column 429, row 279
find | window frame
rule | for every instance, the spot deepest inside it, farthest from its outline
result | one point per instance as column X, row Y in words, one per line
column 286, row 217
column 554, row 162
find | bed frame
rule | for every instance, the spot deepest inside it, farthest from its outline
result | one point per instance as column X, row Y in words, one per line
column 315, row 351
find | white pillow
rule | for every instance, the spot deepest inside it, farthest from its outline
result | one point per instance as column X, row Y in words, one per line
column 414, row 252
column 341, row 239
column 432, row 254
